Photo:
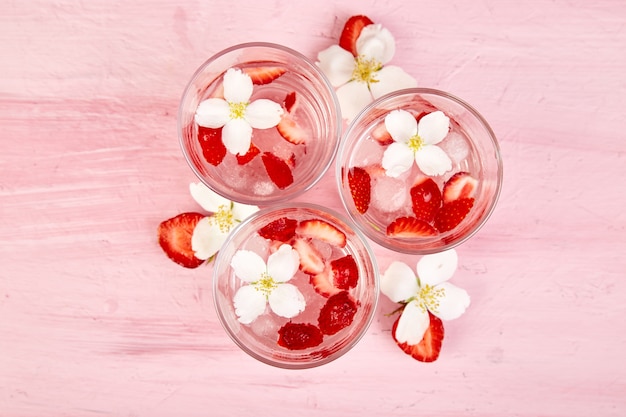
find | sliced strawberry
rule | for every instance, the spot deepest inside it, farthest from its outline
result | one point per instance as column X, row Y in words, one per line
column 427, row 350
column 322, row 230
column 410, row 227
column 282, row 229
column 265, row 74
column 426, row 199
column 278, row 170
column 453, row 213
column 323, row 283
column 248, row 156
column 298, row 336
column 381, row 135
column 345, row 272
column 338, row 313
column 351, row 31
column 460, row 185
column 360, row 188
column 291, row 131
column 311, row 260
column 291, row 99
column 175, row 238
column 213, row 148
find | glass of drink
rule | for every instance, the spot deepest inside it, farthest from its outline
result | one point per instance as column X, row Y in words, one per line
column 259, row 123
column 419, row 171
column 295, row 286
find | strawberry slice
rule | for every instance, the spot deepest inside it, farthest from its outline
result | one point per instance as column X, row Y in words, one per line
column 460, row 185
column 278, row 170
column 323, row 283
column 299, row 336
column 311, row 260
column 265, row 74
column 322, row 230
column 345, row 272
column 290, row 102
column 427, row 350
column 291, row 131
column 452, row 213
column 360, row 188
column 338, row 313
column 213, row 148
column 426, row 199
column 282, row 229
column 175, row 238
column 248, row 156
column 381, row 135
column 409, row 227
column 351, row 31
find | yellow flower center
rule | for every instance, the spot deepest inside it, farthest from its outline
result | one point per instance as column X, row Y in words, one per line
column 365, row 70
column 415, row 143
column 224, row 218
column 428, row 298
column 237, row 110
column 265, row 285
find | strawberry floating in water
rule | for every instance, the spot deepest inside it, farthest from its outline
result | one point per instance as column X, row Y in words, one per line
column 460, row 185
column 425, row 199
column 265, row 74
column 338, row 313
column 288, row 128
column 248, row 156
column 278, row 170
column 213, row 148
column 339, row 275
column 322, row 230
column 175, row 238
column 410, row 227
column 453, row 213
column 299, row 336
column 360, row 185
column 282, row 229
column 311, row 260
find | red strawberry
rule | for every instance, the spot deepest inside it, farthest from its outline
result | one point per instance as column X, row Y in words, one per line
column 381, row 135
column 264, row 75
column 282, row 229
column 278, row 170
column 298, row 336
column 351, row 31
column 291, row 99
column 360, row 188
column 323, row 283
column 427, row 350
column 410, row 227
column 175, row 238
column 452, row 213
column 338, row 313
column 345, row 272
column 291, row 131
column 211, row 143
column 322, row 230
column 249, row 156
column 311, row 261
column 426, row 199
column 460, row 185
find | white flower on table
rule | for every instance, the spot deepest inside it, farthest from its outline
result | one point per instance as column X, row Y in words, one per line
column 267, row 284
column 211, row 232
column 428, row 291
column 236, row 114
column 364, row 77
column 413, row 141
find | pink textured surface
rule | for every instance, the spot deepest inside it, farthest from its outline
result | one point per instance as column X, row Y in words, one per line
column 95, row 321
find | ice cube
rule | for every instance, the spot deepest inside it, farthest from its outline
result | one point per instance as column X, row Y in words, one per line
column 266, row 325
column 456, row 147
column 263, row 188
column 369, row 152
column 389, row 194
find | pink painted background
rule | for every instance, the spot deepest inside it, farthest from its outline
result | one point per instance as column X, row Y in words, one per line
column 96, row 321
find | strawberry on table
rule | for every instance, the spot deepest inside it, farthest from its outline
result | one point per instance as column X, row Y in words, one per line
column 282, row 229
column 213, row 148
column 264, row 74
column 278, row 170
column 175, row 238
column 410, row 227
column 322, row 230
column 351, row 31
column 359, row 182
column 452, row 213
column 425, row 199
column 345, row 272
column 338, row 313
column 299, row 336
column 427, row 350
column 460, row 185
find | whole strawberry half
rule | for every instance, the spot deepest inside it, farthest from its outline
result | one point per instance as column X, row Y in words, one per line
column 453, row 213
column 345, row 272
column 359, row 182
column 282, row 229
column 175, row 238
column 278, row 170
column 298, row 336
column 425, row 199
column 410, row 227
column 338, row 313
column 213, row 148
column 351, row 31
column 427, row 350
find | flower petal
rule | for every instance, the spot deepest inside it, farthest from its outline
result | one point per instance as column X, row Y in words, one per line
column 207, row 238
column 433, row 160
column 263, row 114
column 376, row 42
column 391, row 78
column 399, row 282
column 249, row 304
column 438, row 267
column 283, row 264
column 401, row 125
column 337, row 64
column 237, row 86
column 397, row 159
column 208, row 199
column 243, row 211
column 237, row 135
column 286, row 300
column 433, row 127
column 248, row 266
column 454, row 302
column 213, row 113
column 412, row 325
column 353, row 97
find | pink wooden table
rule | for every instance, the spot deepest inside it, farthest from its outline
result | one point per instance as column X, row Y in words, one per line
column 96, row 321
